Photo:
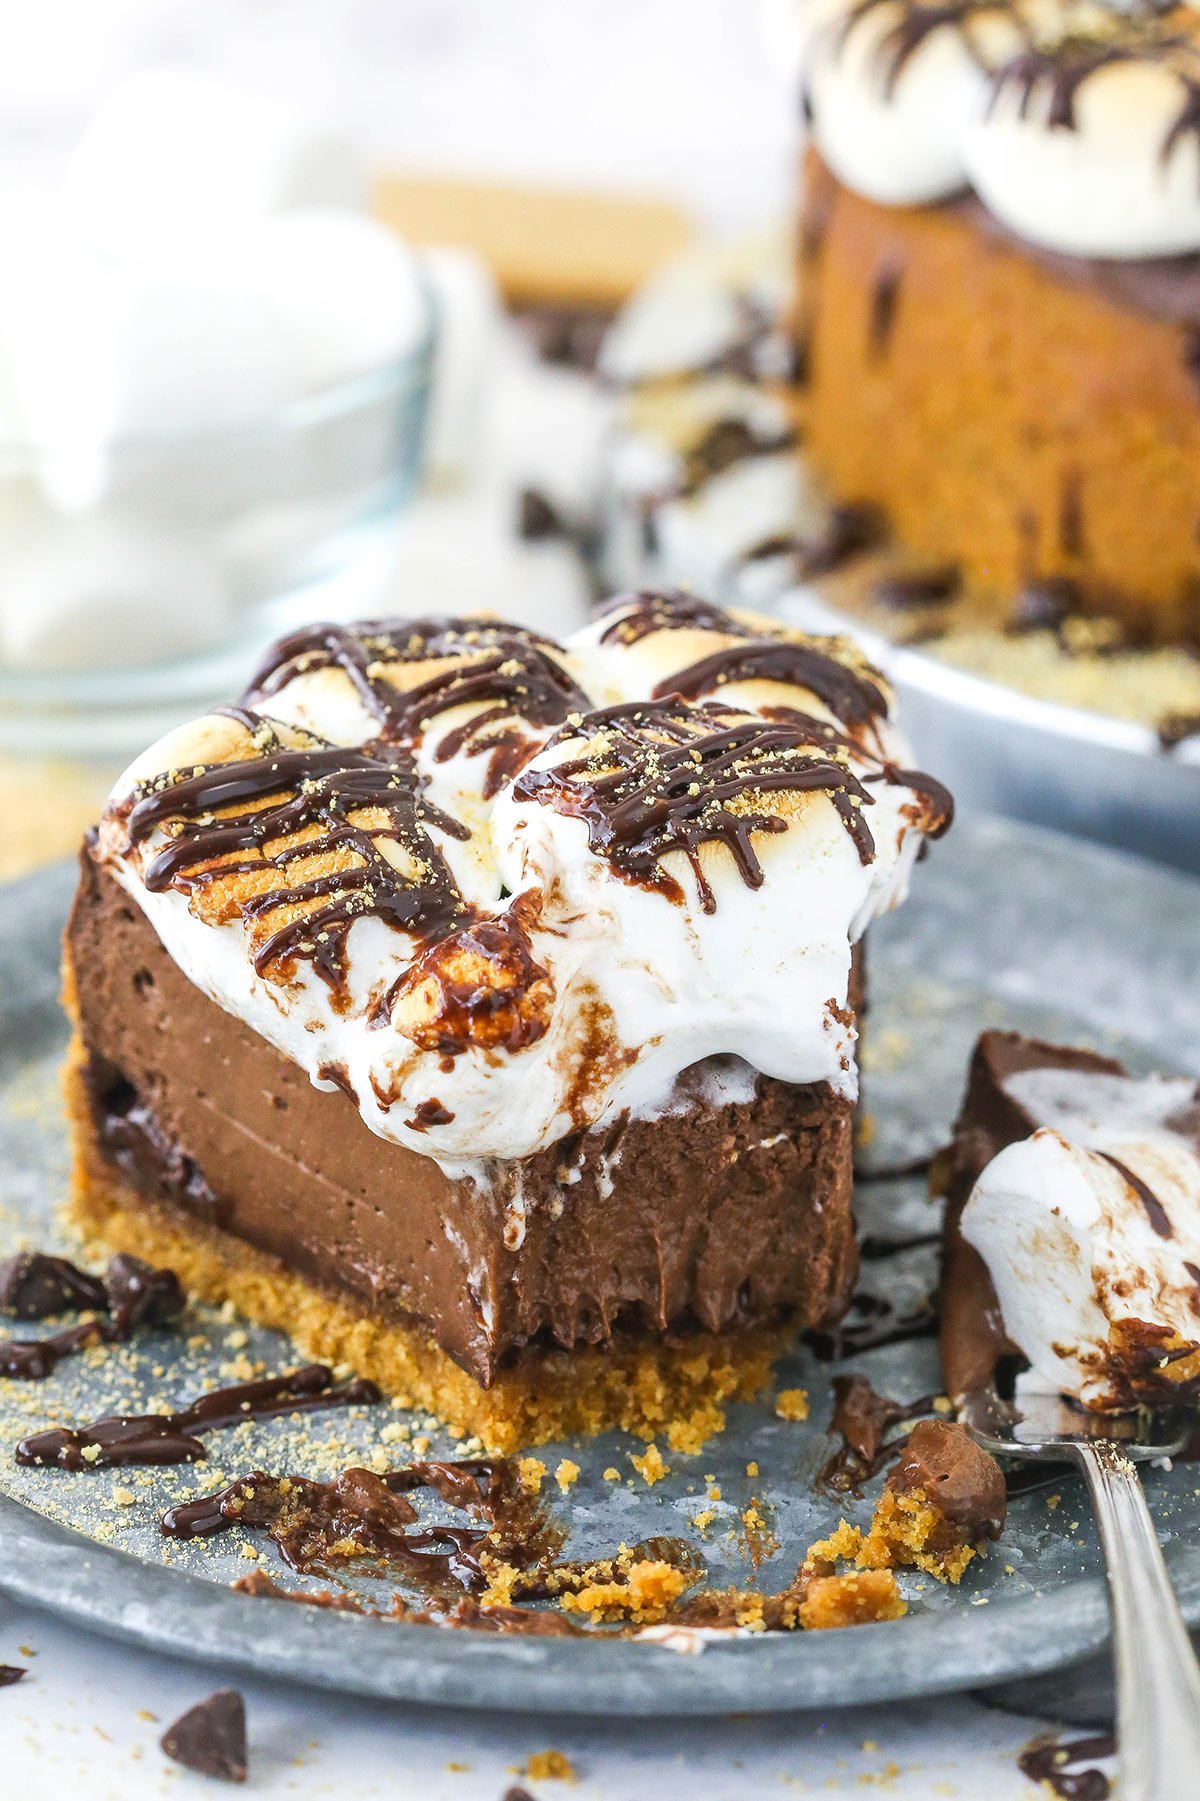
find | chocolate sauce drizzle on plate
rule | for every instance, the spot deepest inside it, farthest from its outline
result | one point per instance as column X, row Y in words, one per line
column 1068, row 1768
column 164, row 1438
column 864, row 1418
column 36, row 1285
column 660, row 777
column 871, row 1322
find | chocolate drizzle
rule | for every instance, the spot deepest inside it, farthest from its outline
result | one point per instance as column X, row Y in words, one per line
column 726, row 443
column 666, row 610
column 663, row 777
column 1058, row 1766
column 1156, row 1213
column 1060, row 68
column 864, row 1419
column 870, row 1322
column 34, row 1285
column 917, row 21
column 160, row 1438
column 363, row 1515
column 853, row 697
column 287, row 811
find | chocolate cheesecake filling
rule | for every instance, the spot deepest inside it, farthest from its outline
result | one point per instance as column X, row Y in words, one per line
column 720, row 1214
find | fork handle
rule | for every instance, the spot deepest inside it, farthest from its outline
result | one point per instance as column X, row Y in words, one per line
column 1158, row 1681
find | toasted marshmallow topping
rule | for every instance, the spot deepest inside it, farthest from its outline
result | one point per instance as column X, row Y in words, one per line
column 1091, row 141
column 1077, row 122
column 1091, row 1235
column 895, row 86
column 501, row 889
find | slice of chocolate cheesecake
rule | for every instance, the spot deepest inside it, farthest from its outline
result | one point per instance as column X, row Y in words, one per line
column 480, row 1009
column 1073, row 1226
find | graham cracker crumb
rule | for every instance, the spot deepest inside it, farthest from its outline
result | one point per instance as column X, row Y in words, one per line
column 650, row 1466
column 531, row 1473
column 549, row 1766
column 791, row 1404
column 643, row 1593
column 858, row 1598
column 566, row 1475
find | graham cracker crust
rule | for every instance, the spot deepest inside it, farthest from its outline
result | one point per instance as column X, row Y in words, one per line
column 650, row 1386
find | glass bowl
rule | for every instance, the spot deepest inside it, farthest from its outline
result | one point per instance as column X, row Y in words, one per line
column 140, row 579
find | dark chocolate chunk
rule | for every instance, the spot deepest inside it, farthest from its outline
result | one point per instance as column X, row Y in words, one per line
column 10, row 1673
column 210, row 1738
column 35, row 1285
column 140, row 1295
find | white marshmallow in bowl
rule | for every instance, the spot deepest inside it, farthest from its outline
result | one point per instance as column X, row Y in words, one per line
column 105, row 594
column 114, row 365
column 179, row 156
column 348, row 287
column 353, row 305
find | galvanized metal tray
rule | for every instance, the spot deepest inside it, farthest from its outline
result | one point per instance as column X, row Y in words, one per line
column 1008, row 924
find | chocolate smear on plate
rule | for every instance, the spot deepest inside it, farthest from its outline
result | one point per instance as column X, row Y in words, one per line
column 864, row 1418
column 872, row 1321
column 1067, row 1769
column 210, row 1738
column 163, row 1438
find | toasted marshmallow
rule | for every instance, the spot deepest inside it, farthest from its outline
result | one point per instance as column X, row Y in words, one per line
column 575, row 968
column 1096, row 157
column 893, row 91
column 1093, row 1244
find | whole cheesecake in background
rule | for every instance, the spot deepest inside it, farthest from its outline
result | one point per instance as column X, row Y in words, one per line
column 480, row 1009
column 1000, row 295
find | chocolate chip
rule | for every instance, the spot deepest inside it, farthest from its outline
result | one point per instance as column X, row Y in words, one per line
column 210, row 1738
column 10, row 1673
column 1044, row 605
column 538, row 518
column 917, row 588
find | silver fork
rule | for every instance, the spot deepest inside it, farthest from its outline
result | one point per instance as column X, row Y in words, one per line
column 1158, row 1680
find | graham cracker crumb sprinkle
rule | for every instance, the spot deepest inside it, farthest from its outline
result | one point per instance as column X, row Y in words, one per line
column 566, row 1475
column 791, row 1404
column 650, row 1466
column 549, row 1766
column 531, row 1473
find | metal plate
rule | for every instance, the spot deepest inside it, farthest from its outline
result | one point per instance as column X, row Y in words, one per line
column 1008, row 925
